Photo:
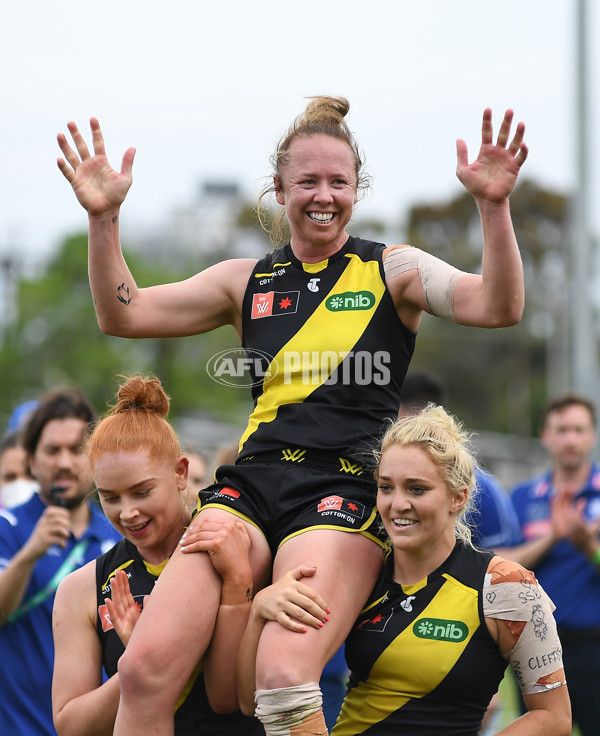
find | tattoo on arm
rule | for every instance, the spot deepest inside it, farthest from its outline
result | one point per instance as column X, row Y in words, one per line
column 123, row 294
column 115, row 218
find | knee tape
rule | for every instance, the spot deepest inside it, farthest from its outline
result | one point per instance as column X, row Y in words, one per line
column 537, row 654
column 291, row 711
column 438, row 278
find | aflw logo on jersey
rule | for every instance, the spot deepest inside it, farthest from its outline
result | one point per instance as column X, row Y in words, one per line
column 274, row 303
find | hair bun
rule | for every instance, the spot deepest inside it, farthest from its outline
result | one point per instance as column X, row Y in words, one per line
column 142, row 394
column 323, row 109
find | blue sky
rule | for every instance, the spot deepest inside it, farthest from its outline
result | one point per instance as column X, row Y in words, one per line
column 205, row 92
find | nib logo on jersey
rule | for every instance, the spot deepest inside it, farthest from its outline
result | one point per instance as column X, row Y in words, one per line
column 274, row 304
column 350, row 301
column 440, row 629
column 351, row 511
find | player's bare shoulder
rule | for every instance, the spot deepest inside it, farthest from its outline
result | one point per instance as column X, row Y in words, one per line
column 77, row 591
column 231, row 278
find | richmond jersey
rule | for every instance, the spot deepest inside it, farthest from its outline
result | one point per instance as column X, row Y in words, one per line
column 193, row 714
column 421, row 657
column 330, row 352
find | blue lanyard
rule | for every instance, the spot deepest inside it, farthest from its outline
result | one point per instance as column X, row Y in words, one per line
column 74, row 558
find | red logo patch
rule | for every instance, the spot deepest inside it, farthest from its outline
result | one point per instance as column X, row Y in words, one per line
column 104, row 617
column 331, row 503
column 229, row 492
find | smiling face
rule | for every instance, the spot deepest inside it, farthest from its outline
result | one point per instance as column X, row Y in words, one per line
column 318, row 189
column 415, row 504
column 144, row 499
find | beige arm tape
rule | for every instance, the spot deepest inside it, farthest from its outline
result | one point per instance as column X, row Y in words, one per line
column 537, row 653
column 438, row 278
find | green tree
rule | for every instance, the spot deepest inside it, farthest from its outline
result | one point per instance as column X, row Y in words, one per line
column 54, row 339
column 498, row 379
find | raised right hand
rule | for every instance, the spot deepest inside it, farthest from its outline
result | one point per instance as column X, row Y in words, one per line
column 122, row 609
column 97, row 186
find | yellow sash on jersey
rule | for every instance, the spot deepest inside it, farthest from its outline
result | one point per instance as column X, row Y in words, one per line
column 324, row 328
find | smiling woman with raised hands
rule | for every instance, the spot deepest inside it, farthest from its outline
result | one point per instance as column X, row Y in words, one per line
column 338, row 315
column 141, row 478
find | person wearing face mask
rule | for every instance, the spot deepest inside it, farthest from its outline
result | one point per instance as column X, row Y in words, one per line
column 16, row 482
column 56, row 531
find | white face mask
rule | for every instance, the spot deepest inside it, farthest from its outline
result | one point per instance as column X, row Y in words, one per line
column 17, row 492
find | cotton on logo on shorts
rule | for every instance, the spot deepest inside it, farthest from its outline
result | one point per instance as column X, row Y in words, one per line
column 241, row 368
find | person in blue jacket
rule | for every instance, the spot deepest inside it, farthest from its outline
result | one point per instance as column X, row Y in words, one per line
column 559, row 515
column 56, row 531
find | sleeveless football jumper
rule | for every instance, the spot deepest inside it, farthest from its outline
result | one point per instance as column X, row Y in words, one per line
column 421, row 657
column 339, row 351
column 328, row 355
column 193, row 714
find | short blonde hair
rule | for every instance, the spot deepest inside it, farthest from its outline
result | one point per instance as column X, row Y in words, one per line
column 446, row 442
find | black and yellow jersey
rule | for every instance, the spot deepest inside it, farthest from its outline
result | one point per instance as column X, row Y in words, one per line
column 337, row 352
column 193, row 714
column 421, row 657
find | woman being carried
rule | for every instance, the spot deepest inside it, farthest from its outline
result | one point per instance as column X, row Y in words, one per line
column 337, row 316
